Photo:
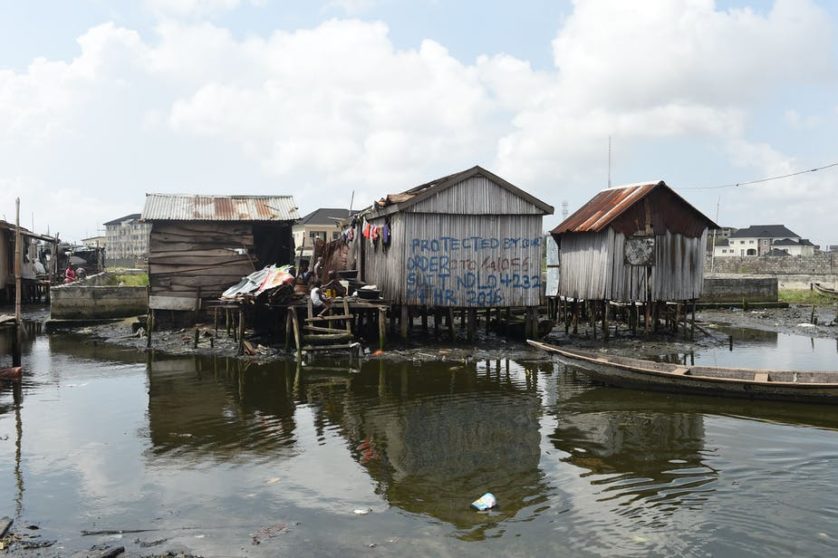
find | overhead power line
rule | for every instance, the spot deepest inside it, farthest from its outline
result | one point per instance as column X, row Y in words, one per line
column 761, row 180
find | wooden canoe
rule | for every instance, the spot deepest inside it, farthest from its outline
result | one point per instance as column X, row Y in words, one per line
column 12, row 373
column 636, row 373
column 826, row 290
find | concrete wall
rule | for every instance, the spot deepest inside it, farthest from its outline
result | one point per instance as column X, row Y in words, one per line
column 791, row 272
column 822, row 263
column 736, row 288
column 80, row 302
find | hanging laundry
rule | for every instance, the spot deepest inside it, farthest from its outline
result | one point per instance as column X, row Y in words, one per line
column 385, row 234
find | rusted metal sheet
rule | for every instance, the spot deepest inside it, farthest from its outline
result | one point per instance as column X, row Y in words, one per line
column 188, row 207
column 650, row 207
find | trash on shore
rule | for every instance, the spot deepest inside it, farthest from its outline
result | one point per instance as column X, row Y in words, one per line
column 485, row 502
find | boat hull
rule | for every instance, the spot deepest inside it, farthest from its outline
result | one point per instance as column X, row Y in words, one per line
column 13, row 373
column 623, row 375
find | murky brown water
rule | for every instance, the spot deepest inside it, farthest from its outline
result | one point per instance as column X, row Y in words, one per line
column 213, row 455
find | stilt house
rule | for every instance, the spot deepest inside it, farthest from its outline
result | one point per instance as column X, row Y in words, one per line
column 635, row 243
column 38, row 261
column 467, row 240
column 200, row 245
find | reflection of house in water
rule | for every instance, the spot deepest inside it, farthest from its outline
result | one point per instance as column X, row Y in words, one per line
column 213, row 407
column 645, row 438
column 435, row 439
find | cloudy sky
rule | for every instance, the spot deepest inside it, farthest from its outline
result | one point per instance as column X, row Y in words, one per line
column 102, row 101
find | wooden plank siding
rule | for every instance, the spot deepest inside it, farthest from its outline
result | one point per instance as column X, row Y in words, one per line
column 460, row 260
column 476, row 196
column 594, row 268
column 191, row 259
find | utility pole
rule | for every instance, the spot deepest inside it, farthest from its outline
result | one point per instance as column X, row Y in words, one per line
column 609, row 161
column 713, row 251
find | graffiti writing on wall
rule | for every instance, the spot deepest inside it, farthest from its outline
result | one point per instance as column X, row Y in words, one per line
column 471, row 271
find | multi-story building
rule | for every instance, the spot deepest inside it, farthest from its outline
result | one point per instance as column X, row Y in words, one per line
column 127, row 239
column 761, row 240
column 319, row 224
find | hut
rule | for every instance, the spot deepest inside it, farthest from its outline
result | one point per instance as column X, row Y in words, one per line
column 37, row 266
column 199, row 245
column 468, row 240
column 640, row 243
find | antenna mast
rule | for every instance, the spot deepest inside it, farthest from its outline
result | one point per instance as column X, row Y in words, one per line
column 609, row 161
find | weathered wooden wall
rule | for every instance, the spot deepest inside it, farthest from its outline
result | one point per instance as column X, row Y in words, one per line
column 475, row 196
column 593, row 267
column 460, row 260
column 189, row 260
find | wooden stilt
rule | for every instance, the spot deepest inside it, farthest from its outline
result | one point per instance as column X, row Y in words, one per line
column 692, row 321
column 471, row 327
column 16, row 352
column 295, row 325
column 488, row 320
column 240, row 350
column 382, row 327
column 425, row 320
column 149, row 326
column 605, row 308
column 451, row 323
column 288, row 326
column 592, row 309
column 405, row 318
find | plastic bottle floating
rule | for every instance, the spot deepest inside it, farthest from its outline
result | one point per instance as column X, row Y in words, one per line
column 485, row 502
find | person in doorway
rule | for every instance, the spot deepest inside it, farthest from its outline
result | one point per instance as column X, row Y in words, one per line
column 69, row 274
column 320, row 304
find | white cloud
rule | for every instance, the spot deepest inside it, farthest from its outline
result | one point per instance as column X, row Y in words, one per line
column 351, row 7
column 320, row 111
column 195, row 8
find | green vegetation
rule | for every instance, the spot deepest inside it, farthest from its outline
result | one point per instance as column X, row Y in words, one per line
column 806, row 297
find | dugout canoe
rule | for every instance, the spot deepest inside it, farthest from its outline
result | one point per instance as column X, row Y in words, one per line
column 620, row 371
column 826, row 290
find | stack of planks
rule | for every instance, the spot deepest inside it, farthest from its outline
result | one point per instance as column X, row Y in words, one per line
column 190, row 260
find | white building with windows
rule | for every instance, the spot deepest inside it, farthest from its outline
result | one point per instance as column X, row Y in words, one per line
column 320, row 224
column 126, row 238
column 763, row 240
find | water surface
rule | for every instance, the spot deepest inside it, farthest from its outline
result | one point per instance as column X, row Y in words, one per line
column 215, row 455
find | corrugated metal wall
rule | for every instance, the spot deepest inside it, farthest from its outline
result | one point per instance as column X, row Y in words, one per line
column 476, row 196
column 460, row 260
column 593, row 267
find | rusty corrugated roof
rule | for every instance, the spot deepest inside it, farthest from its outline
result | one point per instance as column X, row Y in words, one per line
column 609, row 204
column 195, row 207
column 604, row 207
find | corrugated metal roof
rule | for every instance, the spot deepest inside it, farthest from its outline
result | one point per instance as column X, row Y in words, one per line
column 195, row 207
column 609, row 204
column 603, row 208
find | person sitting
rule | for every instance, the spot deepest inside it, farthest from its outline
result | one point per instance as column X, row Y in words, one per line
column 69, row 274
column 319, row 303
column 81, row 274
column 305, row 275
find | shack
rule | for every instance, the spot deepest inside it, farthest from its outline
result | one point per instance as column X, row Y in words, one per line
column 38, row 264
column 640, row 243
column 468, row 240
column 200, row 245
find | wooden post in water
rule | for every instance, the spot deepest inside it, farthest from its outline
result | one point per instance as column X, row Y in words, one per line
column 382, row 327
column 405, row 320
column 240, row 350
column 18, row 286
column 424, row 319
column 16, row 359
column 451, row 334
column 692, row 321
column 149, row 326
column 472, row 323
column 605, row 333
